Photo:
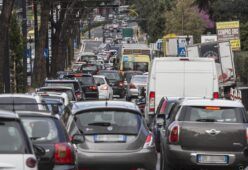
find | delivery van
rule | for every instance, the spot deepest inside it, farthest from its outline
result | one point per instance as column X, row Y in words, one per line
column 182, row 78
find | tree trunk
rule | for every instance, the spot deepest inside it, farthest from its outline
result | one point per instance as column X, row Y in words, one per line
column 40, row 61
column 4, row 27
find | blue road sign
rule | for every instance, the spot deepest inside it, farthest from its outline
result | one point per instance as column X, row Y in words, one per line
column 181, row 52
column 46, row 53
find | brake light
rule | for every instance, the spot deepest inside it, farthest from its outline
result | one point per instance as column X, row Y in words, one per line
column 215, row 95
column 63, row 154
column 104, row 87
column 184, row 59
column 247, row 135
column 152, row 101
column 93, row 88
column 132, row 86
column 149, row 141
column 121, row 84
column 31, row 162
column 174, row 134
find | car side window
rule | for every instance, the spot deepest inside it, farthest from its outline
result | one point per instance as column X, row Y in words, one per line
column 66, row 115
column 159, row 106
column 172, row 114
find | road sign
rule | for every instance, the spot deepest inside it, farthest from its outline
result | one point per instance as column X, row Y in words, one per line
column 46, row 53
column 181, row 49
column 229, row 31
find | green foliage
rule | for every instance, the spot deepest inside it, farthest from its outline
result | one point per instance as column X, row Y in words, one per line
column 16, row 55
column 241, row 65
column 151, row 17
column 184, row 19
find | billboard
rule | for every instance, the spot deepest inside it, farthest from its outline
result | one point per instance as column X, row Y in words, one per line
column 208, row 38
column 229, row 31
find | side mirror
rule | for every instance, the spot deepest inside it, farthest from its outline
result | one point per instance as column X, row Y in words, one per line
column 77, row 139
column 39, row 151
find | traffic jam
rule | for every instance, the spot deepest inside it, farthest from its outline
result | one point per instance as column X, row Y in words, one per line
column 121, row 107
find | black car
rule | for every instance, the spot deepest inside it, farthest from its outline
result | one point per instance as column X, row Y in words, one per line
column 48, row 132
column 88, row 85
column 164, row 107
column 116, row 81
column 75, row 84
column 111, row 135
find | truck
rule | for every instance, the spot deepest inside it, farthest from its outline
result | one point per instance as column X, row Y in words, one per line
column 222, row 53
column 180, row 77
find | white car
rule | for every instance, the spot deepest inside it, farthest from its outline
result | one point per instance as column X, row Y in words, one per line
column 16, row 150
column 105, row 90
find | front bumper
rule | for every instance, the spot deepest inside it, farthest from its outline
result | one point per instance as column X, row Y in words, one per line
column 177, row 156
column 145, row 158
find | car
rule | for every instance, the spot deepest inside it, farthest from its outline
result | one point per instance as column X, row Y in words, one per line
column 48, row 132
column 116, row 81
column 56, row 91
column 89, row 69
column 136, row 84
column 86, row 56
column 205, row 134
column 99, row 18
column 88, row 85
column 128, row 75
column 55, row 105
column 111, row 135
column 14, row 102
column 105, row 90
column 76, row 66
column 164, row 107
column 75, row 84
column 16, row 150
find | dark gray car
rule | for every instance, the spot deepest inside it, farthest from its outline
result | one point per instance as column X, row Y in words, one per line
column 205, row 134
column 111, row 135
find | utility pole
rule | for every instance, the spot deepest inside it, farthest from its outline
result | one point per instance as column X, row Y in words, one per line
column 36, row 30
column 6, row 72
column 24, row 33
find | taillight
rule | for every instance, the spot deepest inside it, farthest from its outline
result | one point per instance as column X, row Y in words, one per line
column 174, row 134
column 132, row 86
column 152, row 101
column 63, row 154
column 93, row 88
column 121, row 84
column 215, row 95
column 149, row 142
column 247, row 135
column 104, row 87
column 31, row 162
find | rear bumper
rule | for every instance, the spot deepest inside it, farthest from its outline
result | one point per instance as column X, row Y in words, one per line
column 177, row 156
column 133, row 93
column 145, row 158
column 65, row 167
column 91, row 95
column 118, row 91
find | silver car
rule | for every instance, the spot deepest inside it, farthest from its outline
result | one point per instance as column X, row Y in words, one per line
column 136, row 84
column 111, row 135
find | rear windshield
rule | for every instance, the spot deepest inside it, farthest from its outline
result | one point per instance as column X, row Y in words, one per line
column 213, row 114
column 89, row 68
column 108, row 122
column 111, row 75
column 86, row 80
column 99, row 80
column 41, row 129
column 68, row 92
column 20, row 103
column 72, row 85
column 88, row 57
column 139, row 79
column 12, row 138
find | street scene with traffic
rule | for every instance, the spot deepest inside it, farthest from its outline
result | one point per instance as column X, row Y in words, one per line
column 123, row 85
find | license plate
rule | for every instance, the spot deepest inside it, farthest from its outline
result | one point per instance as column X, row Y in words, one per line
column 212, row 159
column 110, row 138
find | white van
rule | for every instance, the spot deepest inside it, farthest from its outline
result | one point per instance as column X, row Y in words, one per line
column 180, row 77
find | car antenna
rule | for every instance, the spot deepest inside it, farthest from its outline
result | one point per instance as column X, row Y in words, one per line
column 106, row 102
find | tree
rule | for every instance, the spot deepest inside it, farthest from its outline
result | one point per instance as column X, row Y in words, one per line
column 16, row 59
column 184, row 19
column 4, row 27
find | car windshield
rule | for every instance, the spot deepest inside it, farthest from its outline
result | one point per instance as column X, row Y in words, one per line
column 74, row 86
column 67, row 91
column 50, row 102
column 41, row 129
column 18, row 103
column 12, row 137
column 213, row 114
column 139, row 79
column 108, row 122
column 137, row 66
column 99, row 80
column 86, row 80
column 88, row 57
column 111, row 75
column 89, row 67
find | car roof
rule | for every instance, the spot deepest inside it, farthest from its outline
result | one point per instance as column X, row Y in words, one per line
column 212, row 102
column 8, row 114
column 31, row 96
column 87, row 53
column 62, row 80
column 100, row 76
column 81, row 106
column 35, row 113
column 57, row 87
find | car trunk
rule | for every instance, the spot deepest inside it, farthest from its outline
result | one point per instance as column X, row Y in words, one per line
column 113, row 144
column 12, row 161
column 209, row 136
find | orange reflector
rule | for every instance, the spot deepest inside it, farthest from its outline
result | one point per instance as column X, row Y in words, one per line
column 212, row 108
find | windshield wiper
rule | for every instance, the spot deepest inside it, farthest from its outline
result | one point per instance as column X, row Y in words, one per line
column 100, row 124
column 206, row 120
